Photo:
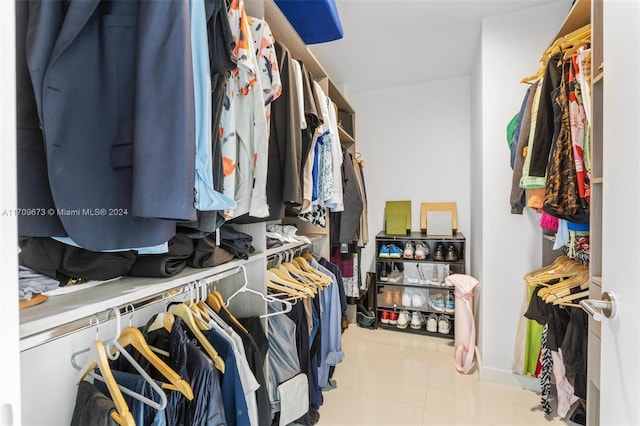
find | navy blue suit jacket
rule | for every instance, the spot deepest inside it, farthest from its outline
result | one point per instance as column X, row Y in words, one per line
column 111, row 144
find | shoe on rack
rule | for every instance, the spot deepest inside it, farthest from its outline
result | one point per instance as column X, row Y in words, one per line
column 452, row 254
column 432, row 323
column 384, row 274
column 384, row 317
column 444, row 327
column 403, row 319
column 393, row 317
column 395, row 252
column 439, row 253
column 406, row 297
column 417, row 322
column 419, row 298
column 422, row 251
column 449, row 304
column 408, row 250
column 436, row 303
column 384, row 252
column 435, row 275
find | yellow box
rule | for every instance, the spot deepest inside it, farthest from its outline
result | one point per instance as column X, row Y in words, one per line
column 438, row 207
column 394, row 213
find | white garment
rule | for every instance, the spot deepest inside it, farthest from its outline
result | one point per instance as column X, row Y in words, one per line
column 336, row 202
column 297, row 74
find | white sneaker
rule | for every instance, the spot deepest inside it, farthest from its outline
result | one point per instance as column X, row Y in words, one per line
column 444, row 327
column 432, row 323
column 406, row 298
column 417, row 322
column 403, row 319
column 418, row 299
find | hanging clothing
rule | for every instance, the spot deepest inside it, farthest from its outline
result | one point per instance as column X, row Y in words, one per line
column 92, row 407
column 517, row 198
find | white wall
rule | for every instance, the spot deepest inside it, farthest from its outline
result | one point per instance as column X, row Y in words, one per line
column 510, row 244
column 9, row 348
column 415, row 140
column 475, row 165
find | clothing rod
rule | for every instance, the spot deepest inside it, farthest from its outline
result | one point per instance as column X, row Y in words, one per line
column 81, row 324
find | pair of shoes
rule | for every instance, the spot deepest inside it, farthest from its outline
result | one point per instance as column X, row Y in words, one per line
column 452, row 254
column 421, row 251
column 414, row 298
column 417, row 321
column 403, row 319
column 449, row 304
column 389, row 317
column 436, row 303
column 390, row 251
column 444, row 326
column 432, row 323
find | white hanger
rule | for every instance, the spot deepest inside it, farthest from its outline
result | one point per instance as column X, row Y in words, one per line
column 267, row 298
column 134, row 364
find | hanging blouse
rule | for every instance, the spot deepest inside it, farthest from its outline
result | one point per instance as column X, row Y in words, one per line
column 240, row 82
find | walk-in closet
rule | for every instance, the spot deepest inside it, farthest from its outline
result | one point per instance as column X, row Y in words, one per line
column 194, row 196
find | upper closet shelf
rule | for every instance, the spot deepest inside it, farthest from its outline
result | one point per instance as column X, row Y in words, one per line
column 578, row 17
column 61, row 314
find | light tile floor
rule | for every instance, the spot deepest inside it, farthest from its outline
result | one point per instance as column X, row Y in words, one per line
column 402, row 379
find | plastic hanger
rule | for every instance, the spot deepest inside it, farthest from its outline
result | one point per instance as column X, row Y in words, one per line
column 215, row 300
column 97, row 357
column 266, row 298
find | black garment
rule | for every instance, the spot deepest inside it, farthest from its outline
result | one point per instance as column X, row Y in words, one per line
column 345, row 224
column 93, row 408
column 299, row 316
column 545, row 313
column 63, row 262
column 285, row 142
column 545, row 126
column 193, row 365
column 236, row 242
column 255, row 359
column 574, row 351
column 166, row 264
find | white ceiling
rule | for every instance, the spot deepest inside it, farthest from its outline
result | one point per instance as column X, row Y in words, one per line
column 389, row 43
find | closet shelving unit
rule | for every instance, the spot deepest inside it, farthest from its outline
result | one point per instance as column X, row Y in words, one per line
column 51, row 332
column 389, row 294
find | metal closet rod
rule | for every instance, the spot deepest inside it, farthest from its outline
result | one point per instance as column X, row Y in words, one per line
column 104, row 315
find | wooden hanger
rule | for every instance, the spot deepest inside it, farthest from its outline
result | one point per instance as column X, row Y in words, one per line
column 216, row 302
column 95, row 359
column 272, row 275
column 535, row 77
column 304, row 265
column 284, row 289
column 131, row 336
column 564, row 287
column 98, row 358
column 570, row 298
column 183, row 311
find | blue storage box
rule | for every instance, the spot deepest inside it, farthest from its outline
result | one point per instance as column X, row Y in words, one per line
column 315, row 21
